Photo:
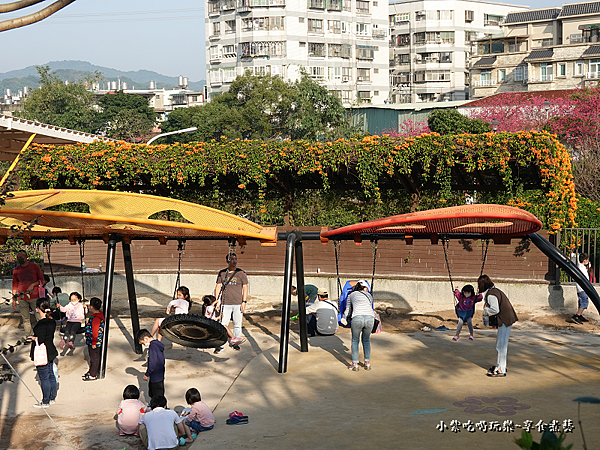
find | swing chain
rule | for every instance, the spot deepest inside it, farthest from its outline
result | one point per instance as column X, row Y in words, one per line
column 374, row 245
column 336, row 245
column 181, row 250
column 484, row 254
column 445, row 245
column 81, row 255
column 48, row 244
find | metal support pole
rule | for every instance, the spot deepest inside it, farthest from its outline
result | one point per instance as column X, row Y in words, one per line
column 301, row 293
column 287, row 302
column 107, row 296
column 135, row 318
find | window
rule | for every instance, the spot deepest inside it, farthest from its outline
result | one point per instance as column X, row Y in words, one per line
column 434, row 37
column 316, row 72
column 546, row 72
column 214, row 52
column 445, row 15
column 363, row 29
column 591, row 35
column 346, row 28
column 364, row 96
column 437, row 75
column 334, row 26
column 512, row 48
column 347, row 5
column 346, row 96
column 300, row 19
column 270, row 49
column 363, row 75
column 315, row 26
column 334, row 73
column 334, row 5
column 579, row 69
column 229, row 74
column 420, row 15
column 375, row 70
column 562, row 70
column 542, row 43
column 492, row 19
column 316, row 4
column 501, row 75
column 263, row 23
column 362, row 7
column 336, row 94
column 594, row 68
column 471, row 36
column 576, row 38
column 469, row 16
column 485, row 78
column 316, row 49
column 520, row 73
column 403, row 59
column 229, row 51
column 346, row 73
column 375, row 93
column 216, row 28
column 334, row 50
column 403, row 40
column 445, row 57
column 347, row 51
column 229, row 26
column 365, row 52
column 403, row 17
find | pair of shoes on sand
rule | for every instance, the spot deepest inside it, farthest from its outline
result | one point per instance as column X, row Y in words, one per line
column 237, row 341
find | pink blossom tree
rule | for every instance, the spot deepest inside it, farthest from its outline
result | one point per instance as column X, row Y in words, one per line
column 520, row 111
column 408, row 128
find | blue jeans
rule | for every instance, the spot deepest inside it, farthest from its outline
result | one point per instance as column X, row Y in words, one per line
column 48, row 382
column 364, row 325
column 195, row 426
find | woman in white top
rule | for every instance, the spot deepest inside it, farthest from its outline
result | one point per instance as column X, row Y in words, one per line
column 359, row 308
column 181, row 304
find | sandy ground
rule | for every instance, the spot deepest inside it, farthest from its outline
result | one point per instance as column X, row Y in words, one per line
column 85, row 410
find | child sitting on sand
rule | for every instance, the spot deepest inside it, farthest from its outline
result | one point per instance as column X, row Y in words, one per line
column 200, row 417
column 130, row 411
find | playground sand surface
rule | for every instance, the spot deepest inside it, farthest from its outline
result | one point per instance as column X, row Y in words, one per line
column 420, row 378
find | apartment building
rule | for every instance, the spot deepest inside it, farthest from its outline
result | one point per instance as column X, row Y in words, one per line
column 551, row 48
column 431, row 43
column 343, row 44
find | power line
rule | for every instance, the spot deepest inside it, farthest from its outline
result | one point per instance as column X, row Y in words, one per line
column 133, row 13
column 131, row 20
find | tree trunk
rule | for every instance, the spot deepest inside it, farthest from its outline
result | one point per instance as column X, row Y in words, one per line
column 35, row 17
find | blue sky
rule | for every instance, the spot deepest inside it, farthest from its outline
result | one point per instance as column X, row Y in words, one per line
column 167, row 37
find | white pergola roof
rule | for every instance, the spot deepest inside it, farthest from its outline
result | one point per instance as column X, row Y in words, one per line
column 15, row 131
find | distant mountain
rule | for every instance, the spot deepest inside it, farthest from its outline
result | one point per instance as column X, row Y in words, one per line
column 76, row 70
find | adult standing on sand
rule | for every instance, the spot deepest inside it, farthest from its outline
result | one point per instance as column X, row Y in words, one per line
column 27, row 276
column 231, row 292
column 497, row 304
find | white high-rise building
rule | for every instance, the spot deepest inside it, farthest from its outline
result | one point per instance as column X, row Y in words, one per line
column 344, row 44
column 431, row 44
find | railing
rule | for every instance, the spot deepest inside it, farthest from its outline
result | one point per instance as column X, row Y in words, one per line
column 574, row 241
column 592, row 75
column 484, row 83
column 548, row 77
column 228, row 5
column 316, row 4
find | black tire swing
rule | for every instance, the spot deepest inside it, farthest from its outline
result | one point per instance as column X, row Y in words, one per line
column 192, row 330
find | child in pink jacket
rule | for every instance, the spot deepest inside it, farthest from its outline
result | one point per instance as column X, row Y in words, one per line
column 75, row 312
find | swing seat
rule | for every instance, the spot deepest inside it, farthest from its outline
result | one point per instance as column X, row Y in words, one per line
column 194, row 331
column 346, row 290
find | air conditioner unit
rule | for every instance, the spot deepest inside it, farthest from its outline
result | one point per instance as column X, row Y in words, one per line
column 345, row 79
column 359, row 79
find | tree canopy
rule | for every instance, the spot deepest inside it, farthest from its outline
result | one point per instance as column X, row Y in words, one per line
column 263, row 107
column 72, row 105
column 450, row 121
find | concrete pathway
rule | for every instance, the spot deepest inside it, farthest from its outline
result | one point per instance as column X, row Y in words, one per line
column 418, row 381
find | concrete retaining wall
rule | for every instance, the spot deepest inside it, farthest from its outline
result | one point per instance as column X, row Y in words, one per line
column 267, row 291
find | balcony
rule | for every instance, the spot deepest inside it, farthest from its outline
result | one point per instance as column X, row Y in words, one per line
column 316, row 4
column 214, row 36
column 592, row 75
column 484, row 83
column 227, row 5
column 379, row 34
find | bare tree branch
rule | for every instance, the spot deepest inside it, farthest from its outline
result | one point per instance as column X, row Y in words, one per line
column 35, row 17
column 8, row 7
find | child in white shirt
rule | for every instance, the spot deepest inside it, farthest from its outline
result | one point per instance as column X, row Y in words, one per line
column 75, row 312
column 181, row 304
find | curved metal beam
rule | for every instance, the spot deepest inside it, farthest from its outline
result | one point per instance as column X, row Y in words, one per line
column 567, row 265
